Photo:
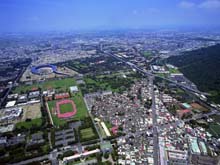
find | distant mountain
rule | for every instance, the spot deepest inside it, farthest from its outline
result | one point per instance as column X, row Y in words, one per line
column 202, row 67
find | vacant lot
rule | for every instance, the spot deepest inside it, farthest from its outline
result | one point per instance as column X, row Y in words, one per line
column 31, row 111
column 199, row 107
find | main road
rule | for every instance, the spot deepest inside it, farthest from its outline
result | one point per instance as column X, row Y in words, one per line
column 154, row 119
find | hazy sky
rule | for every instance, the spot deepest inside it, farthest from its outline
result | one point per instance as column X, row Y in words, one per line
column 43, row 15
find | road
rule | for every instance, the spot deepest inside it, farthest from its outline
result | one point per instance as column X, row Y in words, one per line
column 154, row 119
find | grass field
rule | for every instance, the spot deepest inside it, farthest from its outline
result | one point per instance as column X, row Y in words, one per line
column 29, row 124
column 87, row 133
column 173, row 70
column 59, row 85
column 80, row 106
column 108, row 124
column 113, row 82
column 214, row 129
column 64, row 108
column 216, row 118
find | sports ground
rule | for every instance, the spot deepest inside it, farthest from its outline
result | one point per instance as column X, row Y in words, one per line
column 79, row 113
column 65, row 108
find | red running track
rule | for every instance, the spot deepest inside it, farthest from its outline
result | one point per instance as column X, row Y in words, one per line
column 67, row 114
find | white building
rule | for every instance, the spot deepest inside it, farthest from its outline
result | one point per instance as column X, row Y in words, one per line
column 74, row 89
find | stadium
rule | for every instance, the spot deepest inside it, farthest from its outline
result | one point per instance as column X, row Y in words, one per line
column 44, row 69
column 65, row 108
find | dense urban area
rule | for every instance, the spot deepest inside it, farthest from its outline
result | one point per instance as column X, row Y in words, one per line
column 110, row 97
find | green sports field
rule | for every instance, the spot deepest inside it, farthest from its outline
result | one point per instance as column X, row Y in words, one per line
column 64, row 108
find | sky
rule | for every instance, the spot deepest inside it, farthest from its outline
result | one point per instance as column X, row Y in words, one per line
column 65, row 15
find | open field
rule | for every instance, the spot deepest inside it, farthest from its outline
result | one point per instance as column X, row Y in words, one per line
column 199, row 107
column 31, row 116
column 31, row 111
column 87, row 133
column 30, row 124
column 80, row 106
column 59, row 85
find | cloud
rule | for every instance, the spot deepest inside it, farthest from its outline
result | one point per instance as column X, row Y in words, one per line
column 187, row 4
column 210, row 4
column 205, row 4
